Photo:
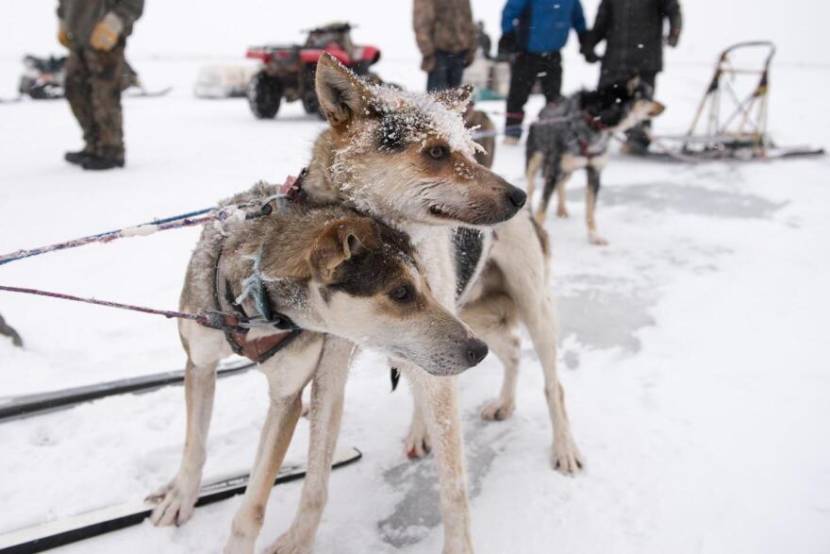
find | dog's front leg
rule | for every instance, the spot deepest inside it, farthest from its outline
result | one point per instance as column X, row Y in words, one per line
column 176, row 501
column 276, row 436
column 438, row 397
column 324, row 417
column 591, row 195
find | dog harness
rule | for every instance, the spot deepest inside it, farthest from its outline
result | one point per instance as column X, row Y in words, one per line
column 261, row 349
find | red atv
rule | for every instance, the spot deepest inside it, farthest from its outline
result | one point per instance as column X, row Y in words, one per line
column 288, row 71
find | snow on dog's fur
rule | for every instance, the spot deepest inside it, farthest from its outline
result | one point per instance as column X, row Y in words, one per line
column 407, row 160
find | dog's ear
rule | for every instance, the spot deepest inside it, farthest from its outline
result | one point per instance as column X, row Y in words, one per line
column 343, row 96
column 338, row 242
column 456, row 99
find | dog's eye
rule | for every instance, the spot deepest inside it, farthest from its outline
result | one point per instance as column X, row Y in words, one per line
column 403, row 294
column 438, row 152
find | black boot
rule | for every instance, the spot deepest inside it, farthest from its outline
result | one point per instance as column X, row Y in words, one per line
column 79, row 157
column 97, row 163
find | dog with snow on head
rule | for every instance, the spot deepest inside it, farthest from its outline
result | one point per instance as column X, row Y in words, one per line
column 575, row 133
column 408, row 160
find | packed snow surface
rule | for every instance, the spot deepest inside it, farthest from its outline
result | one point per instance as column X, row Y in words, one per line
column 693, row 348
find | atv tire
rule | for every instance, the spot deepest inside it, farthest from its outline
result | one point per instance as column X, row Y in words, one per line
column 311, row 105
column 264, row 95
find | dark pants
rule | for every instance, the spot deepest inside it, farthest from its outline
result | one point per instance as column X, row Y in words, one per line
column 524, row 72
column 93, row 84
column 637, row 138
column 448, row 71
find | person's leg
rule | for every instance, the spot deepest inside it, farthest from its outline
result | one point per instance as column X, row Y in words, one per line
column 455, row 69
column 638, row 138
column 106, row 75
column 522, row 76
column 79, row 95
column 437, row 78
column 552, row 76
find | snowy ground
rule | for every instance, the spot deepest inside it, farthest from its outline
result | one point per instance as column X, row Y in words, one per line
column 693, row 347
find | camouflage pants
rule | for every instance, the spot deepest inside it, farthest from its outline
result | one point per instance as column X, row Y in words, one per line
column 93, row 87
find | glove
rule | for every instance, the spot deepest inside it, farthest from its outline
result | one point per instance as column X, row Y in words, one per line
column 469, row 57
column 428, row 63
column 106, row 33
column 674, row 38
column 63, row 35
column 586, row 48
column 508, row 44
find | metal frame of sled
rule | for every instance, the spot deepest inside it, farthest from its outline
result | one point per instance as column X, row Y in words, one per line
column 726, row 126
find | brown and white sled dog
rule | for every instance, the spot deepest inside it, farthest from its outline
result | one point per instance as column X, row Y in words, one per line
column 325, row 270
column 407, row 159
column 574, row 134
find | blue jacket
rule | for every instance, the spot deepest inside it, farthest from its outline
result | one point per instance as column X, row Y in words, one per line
column 542, row 25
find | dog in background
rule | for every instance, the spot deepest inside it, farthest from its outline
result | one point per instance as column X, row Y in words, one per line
column 574, row 134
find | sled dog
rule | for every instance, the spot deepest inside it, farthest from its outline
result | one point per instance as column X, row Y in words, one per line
column 408, row 160
column 574, row 134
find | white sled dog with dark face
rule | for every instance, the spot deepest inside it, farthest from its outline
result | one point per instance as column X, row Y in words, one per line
column 574, row 134
column 408, row 160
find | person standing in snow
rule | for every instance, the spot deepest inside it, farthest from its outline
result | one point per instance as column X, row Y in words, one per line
column 633, row 35
column 447, row 38
column 533, row 32
column 95, row 32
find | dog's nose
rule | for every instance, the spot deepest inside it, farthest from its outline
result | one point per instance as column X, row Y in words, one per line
column 475, row 351
column 517, row 197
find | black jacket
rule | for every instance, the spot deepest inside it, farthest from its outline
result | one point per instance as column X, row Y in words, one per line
column 633, row 35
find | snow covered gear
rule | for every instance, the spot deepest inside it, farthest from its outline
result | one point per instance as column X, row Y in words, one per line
column 106, row 33
column 541, row 26
column 447, row 38
column 633, row 35
column 93, row 88
column 82, row 17
column 526, row 68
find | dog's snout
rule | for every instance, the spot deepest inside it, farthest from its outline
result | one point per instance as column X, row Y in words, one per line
column 475, row 351
column 517, row 197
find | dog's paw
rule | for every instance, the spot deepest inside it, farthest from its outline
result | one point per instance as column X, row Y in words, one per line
column 597, row 240
column 175, row 502
column 288, row 544
column 562, row 212
column 417, row 444
column 497, row 410
column 566, row 458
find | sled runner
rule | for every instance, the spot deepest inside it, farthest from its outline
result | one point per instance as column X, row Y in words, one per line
column 26, row 405
column 103, row 520
column 729, row 125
